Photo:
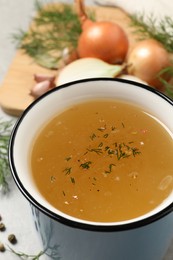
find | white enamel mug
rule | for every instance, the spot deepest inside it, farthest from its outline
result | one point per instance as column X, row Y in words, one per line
column 68, row 238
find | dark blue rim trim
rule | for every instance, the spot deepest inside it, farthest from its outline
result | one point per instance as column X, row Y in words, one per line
column 57, row 217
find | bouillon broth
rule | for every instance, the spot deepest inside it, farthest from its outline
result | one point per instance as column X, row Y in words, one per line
column 104, row 161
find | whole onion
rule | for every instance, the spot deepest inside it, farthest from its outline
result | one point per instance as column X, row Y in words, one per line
column 103, row 40
column 146, row 60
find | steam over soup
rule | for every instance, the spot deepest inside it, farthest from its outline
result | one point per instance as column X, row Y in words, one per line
column 103, row 160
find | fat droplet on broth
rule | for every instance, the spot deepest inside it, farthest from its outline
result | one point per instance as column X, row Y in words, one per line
column 165, row 182
column 117, row 178
column 39, row 159
column 50, row 133
column 133, row 174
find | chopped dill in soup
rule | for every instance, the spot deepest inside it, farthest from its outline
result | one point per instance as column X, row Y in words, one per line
column 104, row 161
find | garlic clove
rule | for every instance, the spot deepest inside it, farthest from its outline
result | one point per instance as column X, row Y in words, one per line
column 87, row 68
column 41, row 77
column 40, row 88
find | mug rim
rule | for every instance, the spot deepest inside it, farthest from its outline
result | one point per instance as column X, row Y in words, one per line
column 76, row 224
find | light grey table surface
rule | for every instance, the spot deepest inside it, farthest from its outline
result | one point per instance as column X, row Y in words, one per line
column 14, row 208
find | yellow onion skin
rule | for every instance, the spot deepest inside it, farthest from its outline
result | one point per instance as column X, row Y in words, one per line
column 146, row 59
column 103, row 40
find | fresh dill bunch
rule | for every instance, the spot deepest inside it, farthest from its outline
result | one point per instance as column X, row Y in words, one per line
column 5, row 131
column 54, row 28
column 148, row 27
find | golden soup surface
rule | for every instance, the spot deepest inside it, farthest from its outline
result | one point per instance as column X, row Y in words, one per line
column 103, row 160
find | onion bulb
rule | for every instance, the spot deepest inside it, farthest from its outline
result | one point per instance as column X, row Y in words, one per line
column 146, row 60
column 88, row 68
column 103, row 39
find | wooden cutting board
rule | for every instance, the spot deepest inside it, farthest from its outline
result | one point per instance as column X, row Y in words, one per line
column 15, row 90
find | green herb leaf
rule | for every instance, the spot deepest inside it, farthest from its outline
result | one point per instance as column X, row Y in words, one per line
column 110, row 168
column 5, row 131
column 168, row 86
column 25, row 256
column 86, row 165
column 148, row 27
column 72, row 180
column 67, row 170
column 95, row 150
column 55, row 28
column 93, row 136
column 68, row 158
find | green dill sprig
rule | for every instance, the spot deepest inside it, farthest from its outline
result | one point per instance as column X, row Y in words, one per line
column 53, row 29
column 93, row 136
column 5, row 131
column 25, row 256
column 72, row 180
column 86, row 165
column 95, row 150
column 148, row 27
column 67, row 170
column 168, row 86
column 124, row 151
column 110, row 168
